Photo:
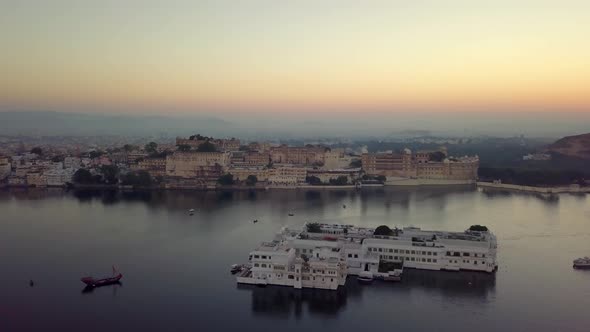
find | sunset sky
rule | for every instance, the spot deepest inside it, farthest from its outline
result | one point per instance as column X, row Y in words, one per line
column 295, row 56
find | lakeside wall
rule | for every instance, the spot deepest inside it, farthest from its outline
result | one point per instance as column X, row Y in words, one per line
column 426, row 182
column 540, row 190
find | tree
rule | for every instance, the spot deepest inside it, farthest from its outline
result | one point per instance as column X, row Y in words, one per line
column 383, row 230
column 184, row 147
column 110, row 173
column 339, row 181
column 206, row 147
column 356, row 163
column 57, row 159
column 82, row 176
column 95, row 154
column 198, row 137
column 151, row 147
column 478, row 228
column 137, row 179
column 37, row 150
column 313, row 180
column 251, row 180
column 313, row 227
column 129, row 147
column 226, row 179
column 437, row 156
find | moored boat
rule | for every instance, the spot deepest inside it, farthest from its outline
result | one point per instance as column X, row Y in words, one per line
column 92, row 282
column 365, row 277
column 582, row 263
column 235, row 268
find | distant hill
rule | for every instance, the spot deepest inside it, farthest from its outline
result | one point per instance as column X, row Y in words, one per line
column 572, row 146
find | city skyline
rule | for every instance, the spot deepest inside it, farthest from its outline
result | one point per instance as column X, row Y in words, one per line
column 264, row 57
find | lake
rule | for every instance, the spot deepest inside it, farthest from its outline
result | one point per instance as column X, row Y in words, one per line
column 176, row 266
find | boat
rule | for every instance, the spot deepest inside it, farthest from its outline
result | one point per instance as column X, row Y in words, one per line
column 235, row 268
column 582, row 263
column 365, row 277
column 255, row 220
column 393, row 276
column 344, row 206
column 92, row 282
column 291, row 214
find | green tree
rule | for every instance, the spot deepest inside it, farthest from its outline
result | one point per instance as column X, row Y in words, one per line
column 226, row 179
column 137, row 179
column 151, row 147
column 129, row 147
column 313, row 180
column 95, row 154
column 37, row 150
column 110, row 174
column 206, row 147
column 82, row 176
column 478, row 228
column 383, row 230
column 313, row 227
column 339, row 181
column 57, row 159
column 437, row 156
column 184, row 147
column 251, row 180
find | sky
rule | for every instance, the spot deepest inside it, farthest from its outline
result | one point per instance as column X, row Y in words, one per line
column 295, row 57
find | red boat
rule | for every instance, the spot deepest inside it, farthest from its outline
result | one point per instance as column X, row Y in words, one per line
column 91, row 282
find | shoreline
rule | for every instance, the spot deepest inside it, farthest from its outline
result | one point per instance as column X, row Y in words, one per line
column 536, row 190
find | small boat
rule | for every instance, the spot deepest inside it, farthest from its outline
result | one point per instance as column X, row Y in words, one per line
column 365, row 277
column 235, row 268
column 91, row 282
column 255, row 220
column 261, row 282
column 582, row 263
column 344, row 206
column 291, row 214
column 393, row 276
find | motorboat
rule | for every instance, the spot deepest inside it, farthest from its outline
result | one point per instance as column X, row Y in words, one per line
column 235, row 268
column 92, row 282
column 365, row 277
column 291, row 214
column 582, row 263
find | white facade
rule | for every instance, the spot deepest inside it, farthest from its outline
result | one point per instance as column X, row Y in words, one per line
column 339, row 250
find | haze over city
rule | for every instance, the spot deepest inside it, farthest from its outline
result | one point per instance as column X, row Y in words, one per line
column 347, row 65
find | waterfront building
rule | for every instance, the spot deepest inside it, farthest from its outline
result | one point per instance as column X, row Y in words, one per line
column 5, row 167
column 242, row 173
column 223, row 145
column 336, row 159
column 72, row 162
column 196, row 164
column 298, row 155
column 154, row 166
column 287, row 176
column 250, row 159
column 351, row 174
column 36, row 179
column 349, row 250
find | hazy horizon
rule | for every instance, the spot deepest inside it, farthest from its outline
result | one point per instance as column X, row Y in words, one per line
column 332, row 58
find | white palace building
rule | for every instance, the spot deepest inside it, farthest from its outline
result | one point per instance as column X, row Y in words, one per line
column 323, row 255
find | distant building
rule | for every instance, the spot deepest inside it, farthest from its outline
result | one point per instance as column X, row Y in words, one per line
column 36, row 179
column 298, row 155
column 287, row 176
column 154, row 166
column 196, row 164
column 220, row 144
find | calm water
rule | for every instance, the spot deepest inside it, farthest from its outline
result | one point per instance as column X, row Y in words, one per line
column 176, row 266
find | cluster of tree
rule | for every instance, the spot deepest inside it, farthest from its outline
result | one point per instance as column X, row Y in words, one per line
column 251, row 180
column 532, row 177
column 313, row 227
column 437, row 156
column 198, row 137
column 383, row 230
column 339, row 181
column 37, row 150
column 226, row 179
column 95, row 154
column 478, row 228
column 137, row 179
column 203, row 147
column 109, row 175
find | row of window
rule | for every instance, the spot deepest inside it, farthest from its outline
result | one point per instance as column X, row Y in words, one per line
column 262, row 257
column 464, row 254
column 407, row 252
column 351, row 255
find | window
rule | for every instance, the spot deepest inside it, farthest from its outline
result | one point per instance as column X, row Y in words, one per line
column 412, row 259
column 456, row 254
column 483, row 255
column 390, row 250
column 407, row 252
column 291, row 277
column 424, row 253
column 475, row 262
column 268, row 257
column 331, row 279
column 449, row 253
column 395, row 257
column 429, row 253
column 467, row 254
column 395, row 251
column 349, row 255
column 434, row 260
column 263, row 265
column 434, row 253
column 380, row 250
column 428, row 260
column 424, row 259
column 356, row 256
column 413, row 252
column 256, row 265
column 256, row 256
column 263, row 257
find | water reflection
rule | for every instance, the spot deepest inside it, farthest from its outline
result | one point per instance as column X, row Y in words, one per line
column 286, row 301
